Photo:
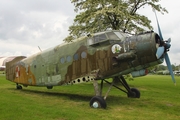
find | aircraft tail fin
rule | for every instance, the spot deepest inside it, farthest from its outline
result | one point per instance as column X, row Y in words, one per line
column 10, row 67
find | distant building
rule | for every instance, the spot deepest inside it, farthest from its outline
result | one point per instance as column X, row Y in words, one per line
column 177, row 72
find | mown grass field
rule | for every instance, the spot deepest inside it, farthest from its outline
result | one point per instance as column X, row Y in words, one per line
column 160, row 100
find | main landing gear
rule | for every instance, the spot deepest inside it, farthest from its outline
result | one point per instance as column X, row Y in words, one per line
column 99, row 102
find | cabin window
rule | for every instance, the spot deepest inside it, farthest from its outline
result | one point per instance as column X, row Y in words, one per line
column 62, row 60
column 69, row 58
column 83, row 54
column 76, row 57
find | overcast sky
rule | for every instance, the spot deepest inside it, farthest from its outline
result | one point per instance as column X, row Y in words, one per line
column 27, row 24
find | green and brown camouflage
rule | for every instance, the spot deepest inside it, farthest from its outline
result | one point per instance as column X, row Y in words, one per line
column 93, row 57
column 108, row 54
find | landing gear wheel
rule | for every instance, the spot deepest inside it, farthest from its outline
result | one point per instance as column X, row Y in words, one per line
column 49, row 87
column 19, row 87
column 134, row 93
column 97, row 102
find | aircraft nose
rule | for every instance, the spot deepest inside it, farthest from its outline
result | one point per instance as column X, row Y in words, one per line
column 167, row 45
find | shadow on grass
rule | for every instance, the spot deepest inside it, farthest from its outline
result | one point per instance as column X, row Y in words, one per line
column 71, row 96
column 113, row 99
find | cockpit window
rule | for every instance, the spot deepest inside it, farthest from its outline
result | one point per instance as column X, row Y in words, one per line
column 120, row 35
column 106, row 37
column 112, row 36
column 99, row 38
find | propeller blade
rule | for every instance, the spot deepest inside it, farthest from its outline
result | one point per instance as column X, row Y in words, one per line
column 159, row 52
column 166, row 47
column 170, row 67
column 169, row 40
column 159, row 29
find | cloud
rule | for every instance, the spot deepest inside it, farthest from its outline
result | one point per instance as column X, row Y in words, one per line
column 28, row 24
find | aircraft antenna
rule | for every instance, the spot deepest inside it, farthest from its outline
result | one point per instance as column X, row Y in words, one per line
column 39, row 48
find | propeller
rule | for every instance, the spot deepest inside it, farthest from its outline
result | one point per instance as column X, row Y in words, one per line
column 163, row 50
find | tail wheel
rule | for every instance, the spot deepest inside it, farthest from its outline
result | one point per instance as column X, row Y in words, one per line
column 19, row 87
column 97, row 102
column 134, row 93
column 49, row 87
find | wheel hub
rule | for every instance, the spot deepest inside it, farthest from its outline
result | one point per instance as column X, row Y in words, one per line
column 95, row 104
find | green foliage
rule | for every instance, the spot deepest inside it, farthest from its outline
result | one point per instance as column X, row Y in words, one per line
column 99, row 15
column 128, row 77
column 159, row 100
column 157, row 68
column 159, row 73
column 162, row 67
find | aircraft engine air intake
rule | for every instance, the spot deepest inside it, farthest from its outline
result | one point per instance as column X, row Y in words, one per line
column 162, row 46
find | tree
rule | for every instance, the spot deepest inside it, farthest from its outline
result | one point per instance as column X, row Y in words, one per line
column 173, row 67
column 162, row 67
column 99, row 15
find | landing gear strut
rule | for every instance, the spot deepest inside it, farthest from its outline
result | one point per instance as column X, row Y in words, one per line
column 99, row 102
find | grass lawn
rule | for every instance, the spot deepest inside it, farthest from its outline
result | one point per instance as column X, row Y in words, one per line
column 160, row 100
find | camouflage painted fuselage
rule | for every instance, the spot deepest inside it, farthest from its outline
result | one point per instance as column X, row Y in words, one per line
column 102, row 55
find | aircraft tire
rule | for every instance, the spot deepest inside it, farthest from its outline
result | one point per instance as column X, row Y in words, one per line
column 97, row 102
column 136, row 93
column 19, row 87
column 49, row 87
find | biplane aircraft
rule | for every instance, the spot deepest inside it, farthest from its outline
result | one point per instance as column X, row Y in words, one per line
column 103, row 55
